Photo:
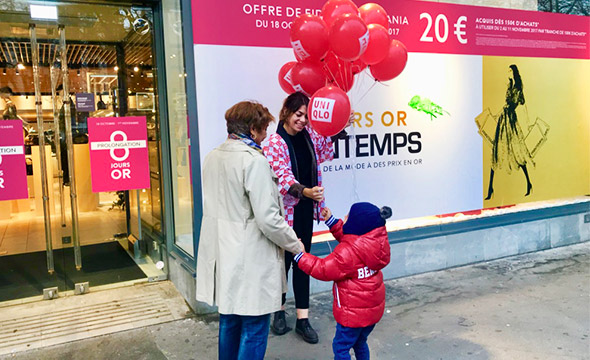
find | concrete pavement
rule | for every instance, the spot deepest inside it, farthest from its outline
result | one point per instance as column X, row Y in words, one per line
column 533, row 306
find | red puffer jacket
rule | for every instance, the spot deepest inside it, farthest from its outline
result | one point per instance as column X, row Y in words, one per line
column 355, row 267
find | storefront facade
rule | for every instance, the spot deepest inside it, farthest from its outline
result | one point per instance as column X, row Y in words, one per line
column 171, row 68
column 432, row 164
column 82, row 215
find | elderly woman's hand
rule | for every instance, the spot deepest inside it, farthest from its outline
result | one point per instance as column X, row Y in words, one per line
column 315, row 193
column 301, row 245
column 301, row 248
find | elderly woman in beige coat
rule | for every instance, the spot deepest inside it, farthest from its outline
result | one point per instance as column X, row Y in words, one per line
column 240, row 263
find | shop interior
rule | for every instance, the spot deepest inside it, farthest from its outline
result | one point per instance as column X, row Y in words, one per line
column 90, row 61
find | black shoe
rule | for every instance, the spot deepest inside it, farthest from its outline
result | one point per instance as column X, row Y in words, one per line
column 303, row 328
column 279, row 324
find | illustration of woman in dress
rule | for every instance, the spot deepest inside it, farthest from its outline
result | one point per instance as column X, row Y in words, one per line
column 509, row 150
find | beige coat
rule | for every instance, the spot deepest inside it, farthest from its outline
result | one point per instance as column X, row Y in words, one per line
column 240, row 263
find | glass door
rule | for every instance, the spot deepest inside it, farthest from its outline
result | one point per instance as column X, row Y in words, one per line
column 86, row 61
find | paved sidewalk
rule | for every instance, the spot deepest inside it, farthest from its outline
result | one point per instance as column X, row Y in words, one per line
column 534, row 306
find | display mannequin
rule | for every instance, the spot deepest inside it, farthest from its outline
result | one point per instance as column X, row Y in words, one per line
column 62, row 135
column 10, row 112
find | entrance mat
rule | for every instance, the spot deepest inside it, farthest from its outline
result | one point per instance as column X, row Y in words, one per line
column 26, row 275
column 41, row 324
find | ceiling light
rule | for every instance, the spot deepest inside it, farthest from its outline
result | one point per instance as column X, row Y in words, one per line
column 116, row 68
column 136, row 69
column 20, row 66
column 45, row 12
column 78, row 73
column 16, row 72
column 4, row 71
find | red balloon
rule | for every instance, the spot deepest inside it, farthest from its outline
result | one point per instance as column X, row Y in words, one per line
column 373, row 13
column 309, row 37
column 285, row 77
column 339, row 72
column 358, row 66
column 378, row 45
column 329, row 110
column 349, row 37
column 307, row 77
column 332, row 9
column 393, row 64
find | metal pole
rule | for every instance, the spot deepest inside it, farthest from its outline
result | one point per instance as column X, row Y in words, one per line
column 139, row 217
column 122, row 109
column 40, row 125
column 70, row 147
column 57, row 141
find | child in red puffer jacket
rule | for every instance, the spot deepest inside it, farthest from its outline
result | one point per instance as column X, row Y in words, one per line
column 355, row 267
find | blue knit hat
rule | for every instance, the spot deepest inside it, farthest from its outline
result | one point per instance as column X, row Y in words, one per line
column 364, row 217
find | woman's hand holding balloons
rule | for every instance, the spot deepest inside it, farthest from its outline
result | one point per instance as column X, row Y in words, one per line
column 315, row 193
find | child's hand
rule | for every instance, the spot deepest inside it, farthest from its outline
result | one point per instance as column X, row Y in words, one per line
column 326, row 213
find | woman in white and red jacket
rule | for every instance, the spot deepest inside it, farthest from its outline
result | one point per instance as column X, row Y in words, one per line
column 295, row 153
column 355, row 267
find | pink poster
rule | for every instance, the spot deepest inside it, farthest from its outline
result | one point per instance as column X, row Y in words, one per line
column 13, row 172
column 118, row 153
column 422, row 26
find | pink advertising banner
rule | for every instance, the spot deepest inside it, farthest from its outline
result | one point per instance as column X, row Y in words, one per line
column 427, row 27
column 13, row 172
column 118, row 153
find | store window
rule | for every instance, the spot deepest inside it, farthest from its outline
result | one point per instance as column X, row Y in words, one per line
column 179, row 126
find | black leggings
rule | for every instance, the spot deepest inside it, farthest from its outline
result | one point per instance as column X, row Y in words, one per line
column 303, row 226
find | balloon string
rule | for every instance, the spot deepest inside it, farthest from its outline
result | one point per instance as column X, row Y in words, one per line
column 342, row 77
column 331, row 74
column 325, row 67
column 357, row 86
column 339, row 72
column 355, row 194
column 346, row 75
column 366, row 92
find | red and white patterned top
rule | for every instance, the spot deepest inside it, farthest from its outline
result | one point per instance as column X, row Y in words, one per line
column 277, row 153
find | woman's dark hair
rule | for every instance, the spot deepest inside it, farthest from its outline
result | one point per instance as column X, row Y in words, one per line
column 291, row 104
column 517, row 79
column 247, row 115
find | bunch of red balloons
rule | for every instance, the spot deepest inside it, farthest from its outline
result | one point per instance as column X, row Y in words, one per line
column 333, row 48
